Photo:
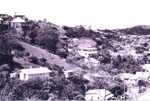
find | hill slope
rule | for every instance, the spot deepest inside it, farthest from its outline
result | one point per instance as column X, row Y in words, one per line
column 137, row 30
column 51, row 58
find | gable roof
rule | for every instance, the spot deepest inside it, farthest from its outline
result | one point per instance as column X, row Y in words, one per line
column 1, row 19
column 98, row 91
column 35, row 70
column 18, row 20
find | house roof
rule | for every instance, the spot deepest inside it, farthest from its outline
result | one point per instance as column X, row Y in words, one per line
column 35, row 70
column 63, row 36
column 98, row 91
column 82, row 46
column 1, row 19
column 68, row 71
column 146, row 66
column 90, row 76
column 126, row 75
column 18, row 20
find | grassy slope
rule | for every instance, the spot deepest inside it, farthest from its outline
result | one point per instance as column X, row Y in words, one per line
column 51, row 58
column 24, row 64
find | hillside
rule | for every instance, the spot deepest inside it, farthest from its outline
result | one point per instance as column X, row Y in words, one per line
column 137, row 30
column 51, row 58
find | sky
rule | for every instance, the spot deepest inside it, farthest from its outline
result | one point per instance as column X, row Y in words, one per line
column 99, row 14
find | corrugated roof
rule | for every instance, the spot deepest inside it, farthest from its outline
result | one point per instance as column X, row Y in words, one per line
column 36, row 70
column 18, row 20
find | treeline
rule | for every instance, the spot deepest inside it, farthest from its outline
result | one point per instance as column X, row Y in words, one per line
column 8, row 43
column 54, row 88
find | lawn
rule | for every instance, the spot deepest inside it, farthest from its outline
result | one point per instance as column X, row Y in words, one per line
column 51, row 58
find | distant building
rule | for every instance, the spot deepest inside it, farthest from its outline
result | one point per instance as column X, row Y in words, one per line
column 86, row 50
column 20, row 16
column 91, row 62
column 125, row 76
column 26, row 74
column 17, row 22
column 63, row 37
column 3, row 16
column 69, row 73
column 145, row 75
column 98, row 94
column 100, row 74
column 135, row 55
column 5, row 21
column 146, row 67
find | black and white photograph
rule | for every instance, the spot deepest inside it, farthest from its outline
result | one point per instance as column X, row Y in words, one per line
column 94, row 50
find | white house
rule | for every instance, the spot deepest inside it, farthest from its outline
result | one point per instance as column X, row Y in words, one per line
column 125, row 76
column 86, row 50
column 20, row 16
column 69, row 73
column 146, row 67
column 98, row 94
column 145, row 75
column 17, row 22
column 91, row 62
column 26, row 74
column 100, row 74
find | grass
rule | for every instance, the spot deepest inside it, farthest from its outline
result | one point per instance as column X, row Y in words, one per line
column 20, row 63
column 51, row 58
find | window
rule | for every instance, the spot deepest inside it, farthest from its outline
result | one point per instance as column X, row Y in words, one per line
column 85, row 50
column 24, row 76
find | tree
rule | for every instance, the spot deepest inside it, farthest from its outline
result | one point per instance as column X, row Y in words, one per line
column 62, row 52
column 33, row 35
column 33, row 59
column 47, row 37
column 141, row 83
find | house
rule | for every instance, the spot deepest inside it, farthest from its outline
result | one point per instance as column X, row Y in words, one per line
column 143, row 75
column 91, row 62
column 63, row 37
column 3, row 16
column 98, row 94
column 135, row 55
column 100, row 74
column 17, row 22
column 69, row 73
column 146, row 67
column 86, row 50
column 125, row 76
column 20, row 16
column 26, row 74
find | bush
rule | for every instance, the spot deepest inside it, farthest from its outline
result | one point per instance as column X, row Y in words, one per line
column 33, row 59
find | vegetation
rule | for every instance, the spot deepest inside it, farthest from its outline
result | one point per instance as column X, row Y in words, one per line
column 40, row 44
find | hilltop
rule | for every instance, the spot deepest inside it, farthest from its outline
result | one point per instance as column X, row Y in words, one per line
column 136, row 30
